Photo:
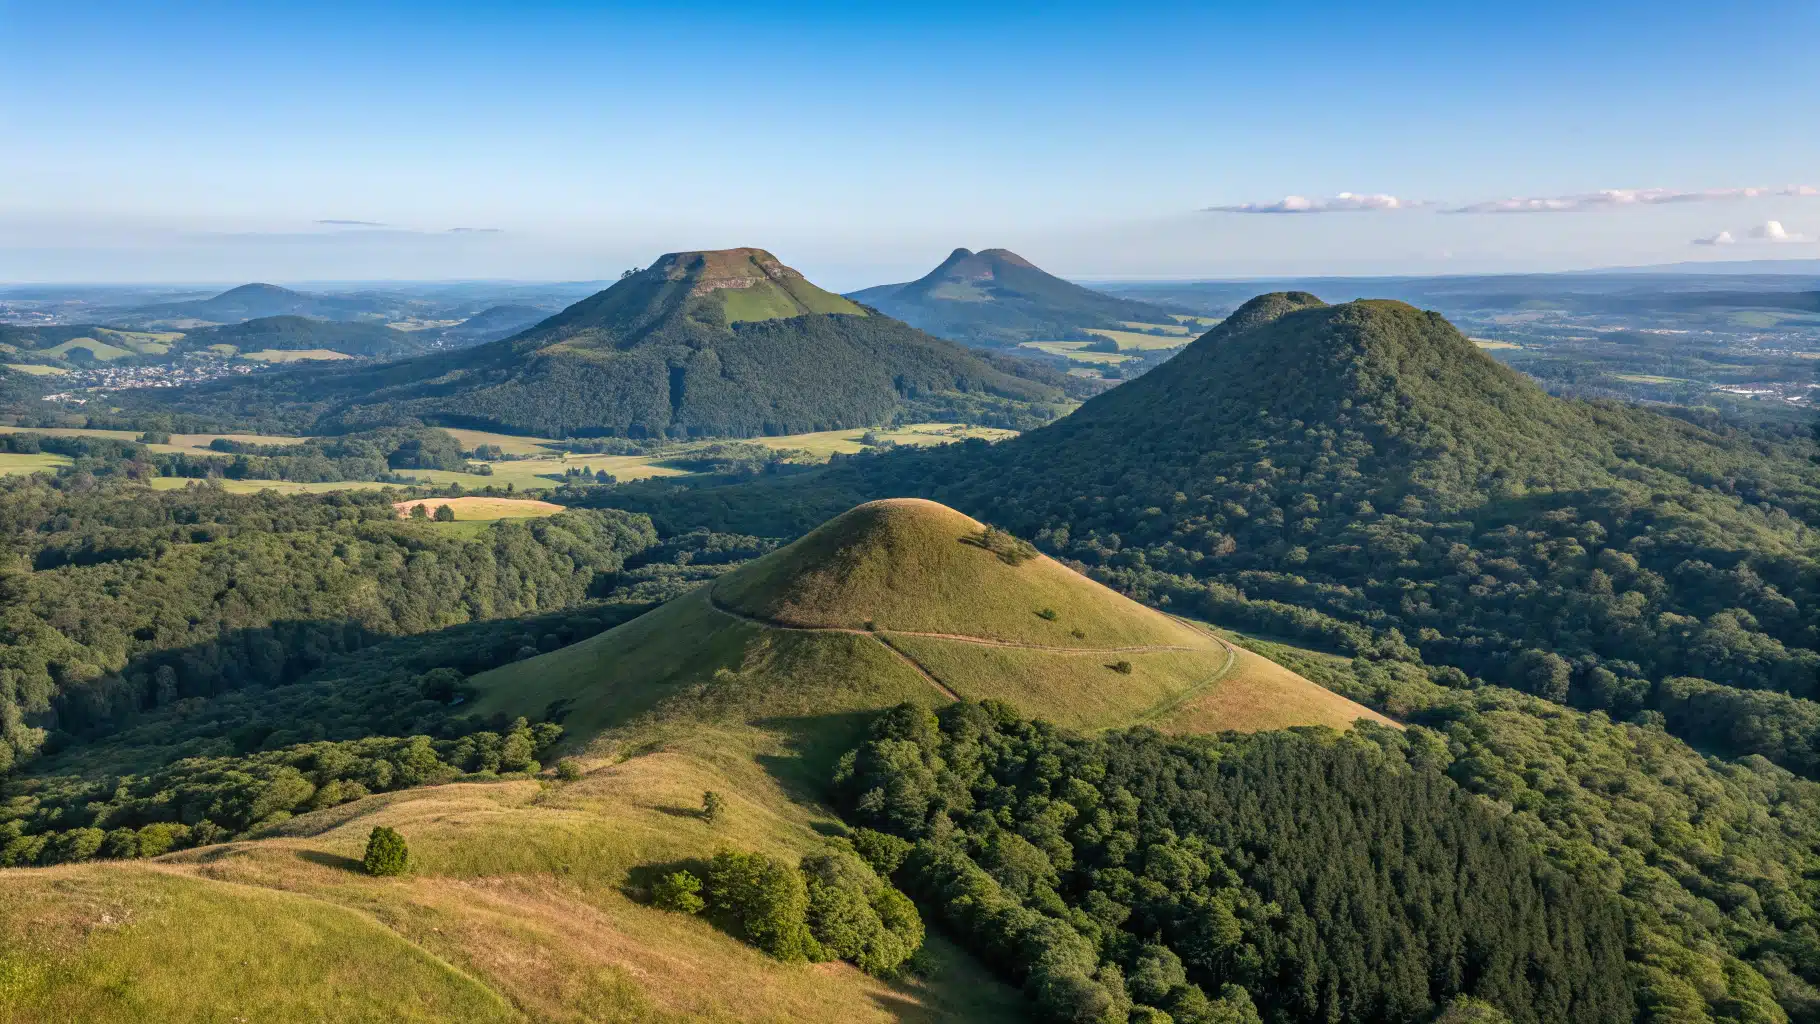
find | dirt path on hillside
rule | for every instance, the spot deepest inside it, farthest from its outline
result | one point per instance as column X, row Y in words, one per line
column 963, row 638
column 1169, row 705
column 883, row 636
column 915, row 666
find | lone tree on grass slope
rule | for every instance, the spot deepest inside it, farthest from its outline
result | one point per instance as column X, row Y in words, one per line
column 386, row 852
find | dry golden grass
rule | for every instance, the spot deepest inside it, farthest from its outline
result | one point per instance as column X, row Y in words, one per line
column 132, row 942
column 295, row 355
column 1259, row 695
column 511, row 444
column 473, row 507
column 686, row 661
column 201, row 441
column 1134, row 341
column 1175, row 327
column 909, row 565
column 1078, row 690
column 889, row 603
column 43, row 462
column 1076, row 351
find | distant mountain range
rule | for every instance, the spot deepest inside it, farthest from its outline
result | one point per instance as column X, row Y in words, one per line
column 723, row 343
column 996, row 298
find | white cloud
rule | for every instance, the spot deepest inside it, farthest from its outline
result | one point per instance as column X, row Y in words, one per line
column 1345, row 202
column 352, row 223
column 1773, row 231
column 1605, row 199
column 1617, row 198
column 1770, row 232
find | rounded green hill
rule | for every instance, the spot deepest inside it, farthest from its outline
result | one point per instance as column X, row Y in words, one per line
column 905, row 564
column 901, row 600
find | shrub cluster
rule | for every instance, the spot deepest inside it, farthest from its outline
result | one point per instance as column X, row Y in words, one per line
column 833, row 906
column 386, row 853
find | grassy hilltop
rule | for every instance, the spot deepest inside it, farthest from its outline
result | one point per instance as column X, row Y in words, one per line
column 905, row 600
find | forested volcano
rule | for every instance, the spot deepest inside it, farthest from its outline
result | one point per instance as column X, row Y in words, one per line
column 1367, row 462
column 1337, row 472
column 995, row 297
column 1362, row 478
column 729, row 343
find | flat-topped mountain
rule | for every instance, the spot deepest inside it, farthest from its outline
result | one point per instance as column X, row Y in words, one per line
column 997, row 298
column 725, row 343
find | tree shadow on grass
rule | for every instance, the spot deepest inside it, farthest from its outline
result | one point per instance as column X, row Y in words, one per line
column 330, row 860
column 814, row 744
column 678, row 812
column 904, row 1008
column 640, row 878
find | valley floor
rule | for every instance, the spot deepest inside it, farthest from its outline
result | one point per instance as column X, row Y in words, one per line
column 535, row 467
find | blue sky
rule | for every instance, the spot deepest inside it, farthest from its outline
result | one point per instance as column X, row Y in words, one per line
column 862, row 142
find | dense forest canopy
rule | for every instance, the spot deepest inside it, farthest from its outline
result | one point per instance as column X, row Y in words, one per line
column 117, row 599
column 1323, row 877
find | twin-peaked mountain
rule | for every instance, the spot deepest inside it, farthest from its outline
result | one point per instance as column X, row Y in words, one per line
column 725, row 343
column 996, row 298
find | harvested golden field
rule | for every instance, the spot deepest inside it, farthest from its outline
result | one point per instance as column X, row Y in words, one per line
column 478, row 507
